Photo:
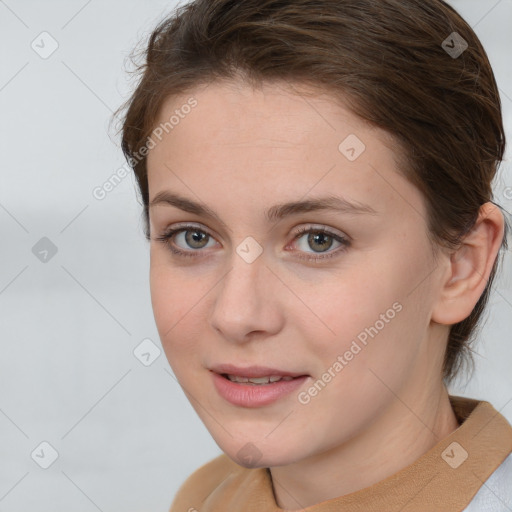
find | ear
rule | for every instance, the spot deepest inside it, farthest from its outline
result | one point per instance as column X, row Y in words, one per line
column 469, row 267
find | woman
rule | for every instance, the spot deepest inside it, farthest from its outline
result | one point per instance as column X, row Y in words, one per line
column 316, row 180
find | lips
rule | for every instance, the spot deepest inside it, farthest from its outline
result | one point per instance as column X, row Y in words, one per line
column 253, row 372
column 255, row 394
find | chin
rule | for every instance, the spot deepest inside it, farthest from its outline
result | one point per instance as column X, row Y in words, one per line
column 252, row 455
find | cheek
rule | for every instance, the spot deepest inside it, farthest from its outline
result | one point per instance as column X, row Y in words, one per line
column 174, row 301
column 367, row 313
column 344, row 302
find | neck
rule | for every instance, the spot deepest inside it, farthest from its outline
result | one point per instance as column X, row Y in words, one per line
column 397, row 438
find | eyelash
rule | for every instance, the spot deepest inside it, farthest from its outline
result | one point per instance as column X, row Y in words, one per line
column 165, row 238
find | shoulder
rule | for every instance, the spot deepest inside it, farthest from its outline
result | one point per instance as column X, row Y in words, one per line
column 496, row 492
column 203, row 482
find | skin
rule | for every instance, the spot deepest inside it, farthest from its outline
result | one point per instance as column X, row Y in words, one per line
column 240, row 151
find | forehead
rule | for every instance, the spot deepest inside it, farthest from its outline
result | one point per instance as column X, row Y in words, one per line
column 274, row 140
column 289, row 113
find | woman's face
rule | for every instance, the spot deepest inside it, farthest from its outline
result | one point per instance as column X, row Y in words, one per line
column 346, row 312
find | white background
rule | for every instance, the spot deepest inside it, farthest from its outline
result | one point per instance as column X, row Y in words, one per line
column 125, row 434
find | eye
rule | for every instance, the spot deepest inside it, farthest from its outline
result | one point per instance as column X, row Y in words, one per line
column 192, row 239
column 320, row 239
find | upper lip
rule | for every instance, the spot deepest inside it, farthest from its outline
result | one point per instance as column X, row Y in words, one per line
column 252, row 371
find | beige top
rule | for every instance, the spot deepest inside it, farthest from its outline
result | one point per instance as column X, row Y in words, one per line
column 445, row 478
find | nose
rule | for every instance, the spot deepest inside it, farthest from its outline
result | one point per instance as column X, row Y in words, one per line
column 247, row 303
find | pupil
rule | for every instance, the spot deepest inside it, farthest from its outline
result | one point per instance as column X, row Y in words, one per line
column 196, row 236
column 313, row 238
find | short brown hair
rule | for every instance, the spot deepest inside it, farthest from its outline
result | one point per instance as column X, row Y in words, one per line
column 385, row 59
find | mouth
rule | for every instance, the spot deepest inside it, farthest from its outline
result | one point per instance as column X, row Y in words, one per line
column 255, row 386
column 256, row 381
column 255, row 374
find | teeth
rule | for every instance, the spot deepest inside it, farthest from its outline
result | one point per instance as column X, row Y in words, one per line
column 235, row 378
column 257, row 380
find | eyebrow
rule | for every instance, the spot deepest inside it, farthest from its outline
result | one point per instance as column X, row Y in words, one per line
column 274, row 213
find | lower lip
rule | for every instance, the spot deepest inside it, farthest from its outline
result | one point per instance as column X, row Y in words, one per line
column 255, row 395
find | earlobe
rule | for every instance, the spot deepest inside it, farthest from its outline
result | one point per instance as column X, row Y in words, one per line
column 469, row 267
